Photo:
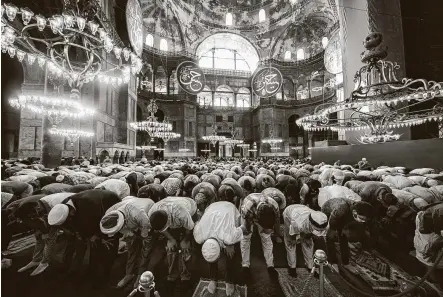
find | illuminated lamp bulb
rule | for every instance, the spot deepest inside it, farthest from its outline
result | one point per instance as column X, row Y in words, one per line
column 93, row 27
column 81, row 23
column 11, row 11
column 9, row 35
column 56, row 23
column 108, row 44
column 41, row 22
column 117, row 52
column 27, row 14
column 69, row 20
column 41, row 61
column 102, row 33
column 126, row 53
column 11, row 51
column 31, row 59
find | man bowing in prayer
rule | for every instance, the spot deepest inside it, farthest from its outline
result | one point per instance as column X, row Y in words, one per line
column 80, row 214
column 262, row 211
column 219, row 228
column 130, row 218
column 172, row 217
column 301, row 223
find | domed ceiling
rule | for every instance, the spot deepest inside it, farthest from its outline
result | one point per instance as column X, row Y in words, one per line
column 286, row 27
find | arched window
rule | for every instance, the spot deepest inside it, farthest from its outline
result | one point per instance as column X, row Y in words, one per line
column 205, row 97
column 149, row 40
column 243, row 98
column 163, row 45
column 261, row 15
column 229, row 19
column 227, row 51
column 287, row 55
column 223, row 97
column 324, row 41
column 300, row 54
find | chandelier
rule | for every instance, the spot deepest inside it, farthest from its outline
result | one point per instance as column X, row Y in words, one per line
column 166, row 135
column 75, row 29
column 152, row 125
column 55, row 108
column 214, row 138
column 380, row 102
column 71, row 134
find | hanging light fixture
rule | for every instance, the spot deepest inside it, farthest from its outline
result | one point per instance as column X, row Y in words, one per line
column 206, row 149
column 71, row 134
column 69, row 28
column 151, row 125
column 214, row 138
column 254, row 148
column 54, row 107
column 183, row 149
column 380, row 102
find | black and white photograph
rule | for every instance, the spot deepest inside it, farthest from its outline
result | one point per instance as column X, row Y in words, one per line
column 221, row 148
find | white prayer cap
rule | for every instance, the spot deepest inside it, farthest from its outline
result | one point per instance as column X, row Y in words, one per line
column 112, row 222
column 319, row 222
column 211, row 250
column 60, row 178
column 58, row 214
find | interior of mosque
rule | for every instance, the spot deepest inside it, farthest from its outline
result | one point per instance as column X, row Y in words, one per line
column 93, row 91
column 230, row 41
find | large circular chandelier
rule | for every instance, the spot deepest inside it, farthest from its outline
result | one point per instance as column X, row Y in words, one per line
column 72, row 44
column 71, row 134
column 152, row 125
column 379, row 102
column 55, row 108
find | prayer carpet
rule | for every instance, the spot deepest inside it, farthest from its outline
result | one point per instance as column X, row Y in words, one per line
column 385, row 276
column 293, row 287
column 20, row 244
column 202, row 290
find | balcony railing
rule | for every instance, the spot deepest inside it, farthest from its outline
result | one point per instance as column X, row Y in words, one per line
column 298, row 102
column 227, row 72
column 182, row 53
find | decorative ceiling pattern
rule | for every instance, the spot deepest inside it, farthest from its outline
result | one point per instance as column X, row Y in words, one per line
column 286, row 27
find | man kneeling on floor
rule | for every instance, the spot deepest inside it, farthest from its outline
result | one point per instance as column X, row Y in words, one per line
column 219, row 228
column 301, row 223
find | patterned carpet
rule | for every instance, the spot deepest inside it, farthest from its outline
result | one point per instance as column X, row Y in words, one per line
column 293, row 287
column 20, row 244
column 384, row 276
column 202, row 290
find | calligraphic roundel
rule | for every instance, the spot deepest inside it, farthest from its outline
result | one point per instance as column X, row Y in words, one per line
column 267, row 82
column 190, row 77
column 134, row 23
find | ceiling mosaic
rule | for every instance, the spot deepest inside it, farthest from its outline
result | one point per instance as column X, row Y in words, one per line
column 286, row 27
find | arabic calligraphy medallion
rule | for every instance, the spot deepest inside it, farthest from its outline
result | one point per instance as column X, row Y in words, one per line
column 190, row 77
column 267, row 82
column 134, row 21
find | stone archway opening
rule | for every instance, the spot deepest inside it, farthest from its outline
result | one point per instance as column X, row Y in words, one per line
column 115, row 159
column 103, row 155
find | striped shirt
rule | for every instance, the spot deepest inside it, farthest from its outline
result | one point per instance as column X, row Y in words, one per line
column 180, row 211
column 250, row 204
column 135, row 211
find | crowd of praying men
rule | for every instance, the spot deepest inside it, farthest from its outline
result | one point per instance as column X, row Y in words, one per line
column 214, row 205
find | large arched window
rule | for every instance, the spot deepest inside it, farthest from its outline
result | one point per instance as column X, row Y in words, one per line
column 243, row 98
column 324, row 41
column 163, row 45
column 223, row 97
column 227, row 51
column 149, row 40
column 229, row 19
column 261, row 15
column 287, row 55
column 300, row 54
column 205, row 97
